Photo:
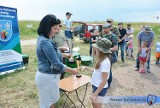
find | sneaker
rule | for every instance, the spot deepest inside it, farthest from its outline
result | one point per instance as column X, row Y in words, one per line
column 141, row 71
column 148, row 70
column 123, row 60
column 136, row 69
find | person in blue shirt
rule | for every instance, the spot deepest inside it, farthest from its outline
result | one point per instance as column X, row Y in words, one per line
column 68, row 30
column 146, row 35
column 50, row 63
column 68, row 25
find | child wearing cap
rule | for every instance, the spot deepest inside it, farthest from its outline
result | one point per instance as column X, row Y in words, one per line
column 157, row 53
column 101, row 73
column 68, row 30
column 130, row 47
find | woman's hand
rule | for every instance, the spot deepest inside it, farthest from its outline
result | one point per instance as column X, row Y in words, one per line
column 74, row 71
column 69, row 55
column 66, row 55
column 63, row 48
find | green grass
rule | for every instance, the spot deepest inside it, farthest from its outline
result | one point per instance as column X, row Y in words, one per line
column 31, row 33
column 18, row 89
column 28, row 33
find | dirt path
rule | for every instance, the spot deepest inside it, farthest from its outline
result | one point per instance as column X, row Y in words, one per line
column 127, row 82
column 34, row 41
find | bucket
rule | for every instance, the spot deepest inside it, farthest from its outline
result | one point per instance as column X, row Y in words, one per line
column 25, row 59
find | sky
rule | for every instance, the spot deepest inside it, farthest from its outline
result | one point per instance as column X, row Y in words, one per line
column 88, row 10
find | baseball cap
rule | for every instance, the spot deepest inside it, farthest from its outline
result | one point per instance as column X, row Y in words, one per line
column 147, row 28
column 107, row 25
column 68, row 13
column 109, row 20
column 120, row 23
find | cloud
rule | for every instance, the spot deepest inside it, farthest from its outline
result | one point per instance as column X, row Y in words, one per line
column 86, row 10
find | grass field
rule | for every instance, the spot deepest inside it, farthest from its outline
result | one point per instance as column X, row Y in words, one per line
column 31, row 33
column 18, row 89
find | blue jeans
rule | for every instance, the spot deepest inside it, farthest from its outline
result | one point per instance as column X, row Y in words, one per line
column 102, row 93
column 138, row 62
column 126, row 46
column 68, row 34
column 110, row 79
column 122, row 50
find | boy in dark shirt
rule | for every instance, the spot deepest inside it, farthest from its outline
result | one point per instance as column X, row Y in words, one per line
column 121, row 42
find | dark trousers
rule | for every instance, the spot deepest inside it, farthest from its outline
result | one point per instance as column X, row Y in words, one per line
column 62, row 74
column 90, row 50
column 122, row 48
column 126, row 46
column 110, row 79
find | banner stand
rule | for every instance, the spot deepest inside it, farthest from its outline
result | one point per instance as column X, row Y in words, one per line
column 11, row 57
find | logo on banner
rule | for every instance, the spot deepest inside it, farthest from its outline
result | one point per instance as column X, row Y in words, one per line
column 151, row 99
column 5, row 30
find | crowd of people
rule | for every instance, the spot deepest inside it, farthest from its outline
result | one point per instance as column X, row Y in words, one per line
column 124, row 38
column 52, row 44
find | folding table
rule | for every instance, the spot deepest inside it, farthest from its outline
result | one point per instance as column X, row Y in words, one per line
column 72, row 84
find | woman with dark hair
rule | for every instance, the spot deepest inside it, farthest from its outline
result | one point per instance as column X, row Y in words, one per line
column 50, row 64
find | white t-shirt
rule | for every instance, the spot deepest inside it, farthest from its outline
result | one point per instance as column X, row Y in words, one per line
column 97, row 74
column 143, row 52
column 68, row 24
column 158, row 47
column 128, row 31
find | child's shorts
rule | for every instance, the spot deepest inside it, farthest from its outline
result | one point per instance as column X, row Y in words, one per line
column 142, row 59
column 102, row 93
column 158, row 55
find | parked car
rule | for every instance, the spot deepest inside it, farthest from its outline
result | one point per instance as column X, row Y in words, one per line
column 77, row 30
column 83, row 30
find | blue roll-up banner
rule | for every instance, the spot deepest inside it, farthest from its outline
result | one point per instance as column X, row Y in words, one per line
column 10, row 48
